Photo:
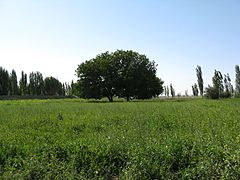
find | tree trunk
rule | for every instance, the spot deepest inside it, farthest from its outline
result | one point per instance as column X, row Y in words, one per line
column 128, row 98
column 110, row 98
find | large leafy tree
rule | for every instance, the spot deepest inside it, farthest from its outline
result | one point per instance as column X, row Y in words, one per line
column 99, row 77
column 136, row 75
column 122, row 73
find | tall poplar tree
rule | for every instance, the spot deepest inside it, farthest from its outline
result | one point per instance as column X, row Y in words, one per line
column 4, row 82
column 167, row 91
column 237, row 69
column 23, row 84
column 36, row 83
column 195, row 89
column 13, row 83
column 172, row 91
column 200, row 79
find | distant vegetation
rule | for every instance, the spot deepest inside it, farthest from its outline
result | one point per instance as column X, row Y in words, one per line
column 32, row 85
column 222, row 86
column 121, row 74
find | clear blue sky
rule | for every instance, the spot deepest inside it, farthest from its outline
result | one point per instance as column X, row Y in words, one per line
column 54, row 36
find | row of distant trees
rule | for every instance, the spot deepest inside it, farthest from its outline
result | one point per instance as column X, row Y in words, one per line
column 126, row 74
column 221, row 85
column 195, row 88
column 33, row 85
column 169, row 91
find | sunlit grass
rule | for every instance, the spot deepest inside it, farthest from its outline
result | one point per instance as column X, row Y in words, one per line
column 159, row 139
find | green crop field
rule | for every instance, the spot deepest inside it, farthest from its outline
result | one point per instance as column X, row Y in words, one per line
column 159, row 139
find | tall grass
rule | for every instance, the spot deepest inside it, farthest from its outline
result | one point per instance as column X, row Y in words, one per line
column 77, row 139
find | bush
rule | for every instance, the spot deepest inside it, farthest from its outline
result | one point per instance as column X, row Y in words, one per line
column 226, row 95
column 212, row 93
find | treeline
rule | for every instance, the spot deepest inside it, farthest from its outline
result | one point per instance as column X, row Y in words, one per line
column 170, row 91
column 32, row 85
column 125, row 74
column 222, row 85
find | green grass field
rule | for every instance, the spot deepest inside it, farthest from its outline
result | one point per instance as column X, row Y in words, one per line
column 160, row 139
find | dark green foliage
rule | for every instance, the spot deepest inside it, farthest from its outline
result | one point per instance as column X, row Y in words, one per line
column 23, row 85
column 36, row 87
column 237, row 69
column 228, row 87
column 222, row 87
column 212, row 92
column 89, row 82
column 136, row 76
column 167, row 91
column 36, row 84
column 73, row 88
column 172, row 91
column 122, row 73
column 52, row 86
column 195, row 90
column 218, row 82
column 4, row 82
column 200, row 79
column 14, row 90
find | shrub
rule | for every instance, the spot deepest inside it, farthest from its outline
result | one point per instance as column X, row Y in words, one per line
column 226, row 95
column 212, row 93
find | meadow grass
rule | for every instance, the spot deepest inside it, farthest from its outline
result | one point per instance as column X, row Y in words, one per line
column 159, row 139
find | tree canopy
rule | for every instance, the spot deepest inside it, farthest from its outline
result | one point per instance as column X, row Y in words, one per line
column 222, row 87
column 121, row 73
column 53, row 86
column 36, row 83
